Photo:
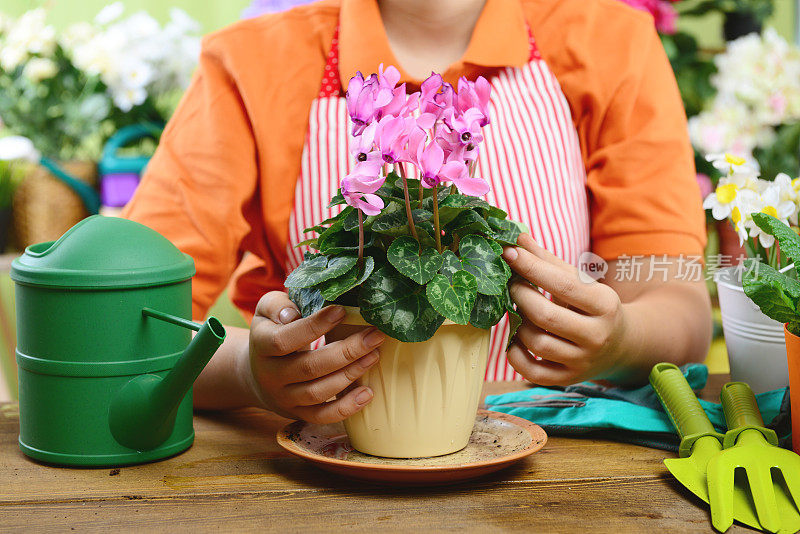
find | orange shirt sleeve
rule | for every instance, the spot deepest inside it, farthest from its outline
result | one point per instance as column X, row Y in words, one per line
column 644, row 197
column 198, row 189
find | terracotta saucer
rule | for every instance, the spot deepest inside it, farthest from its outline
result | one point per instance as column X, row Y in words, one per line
column 497, row 441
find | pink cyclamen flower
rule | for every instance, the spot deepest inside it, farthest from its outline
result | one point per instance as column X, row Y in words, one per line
column 364, row 99
column 434, row 170
column 391, row 137
column 360, row 184
column 365, row 176
column 475, row 95
column 466, row 125
column 366, row 202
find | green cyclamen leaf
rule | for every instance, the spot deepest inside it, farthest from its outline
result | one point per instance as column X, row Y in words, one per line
column 350, row 222
column 450, row 264
column 317, row 269
column 788, row 240
column 468, row 222
column 464, row 201
column 397, row 306
column 334, row 288
column 453, row 300
column 514, row 322
column 514, row 318
column 488, row 311
column 775, row 293
column 336, row 200
column 479, row 258
column 336, row 240
column 405, row 255
column 308, row 242
column 308, row 299
column 505, row 231
column 395, row 223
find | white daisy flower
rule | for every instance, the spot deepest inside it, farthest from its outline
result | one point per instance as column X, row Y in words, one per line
column 733, row 165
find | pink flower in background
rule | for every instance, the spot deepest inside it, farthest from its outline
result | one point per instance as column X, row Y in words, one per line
column 664, row 14
column 706, row 187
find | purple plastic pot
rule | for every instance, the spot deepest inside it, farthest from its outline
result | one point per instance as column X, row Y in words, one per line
column 117, row 189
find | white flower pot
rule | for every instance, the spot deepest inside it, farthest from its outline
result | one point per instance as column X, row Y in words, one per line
column 426, row 394
column 756, row 344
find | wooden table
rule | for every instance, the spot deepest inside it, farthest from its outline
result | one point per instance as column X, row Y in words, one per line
column 235, row 478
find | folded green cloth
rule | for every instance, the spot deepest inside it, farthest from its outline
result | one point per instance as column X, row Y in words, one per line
column 633, row 415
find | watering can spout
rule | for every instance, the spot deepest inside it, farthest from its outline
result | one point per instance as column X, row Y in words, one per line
column 142, row 415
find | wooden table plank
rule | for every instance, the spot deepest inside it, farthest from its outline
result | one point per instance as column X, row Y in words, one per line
column 235, row 477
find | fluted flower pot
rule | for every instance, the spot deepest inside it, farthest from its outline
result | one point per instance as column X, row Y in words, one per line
column 426, row 394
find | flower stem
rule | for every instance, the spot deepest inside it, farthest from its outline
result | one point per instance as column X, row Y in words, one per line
column 411, row 225
column 360, row 239
column 437, row 230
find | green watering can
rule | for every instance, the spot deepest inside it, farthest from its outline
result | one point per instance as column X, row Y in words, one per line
column 104, row 350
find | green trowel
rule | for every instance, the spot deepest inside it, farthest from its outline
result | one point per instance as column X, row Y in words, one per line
column 699, row 441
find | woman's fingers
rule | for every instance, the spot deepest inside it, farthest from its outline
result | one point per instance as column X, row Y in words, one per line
column 550, row 316
column 312, row 364
column 323, row 389
column 548, row 346
column 336, row 410
column 561, row 280
column 275, row 339
column 541, row 372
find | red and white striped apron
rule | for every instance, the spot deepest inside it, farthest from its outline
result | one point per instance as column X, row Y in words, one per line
column 531, row 158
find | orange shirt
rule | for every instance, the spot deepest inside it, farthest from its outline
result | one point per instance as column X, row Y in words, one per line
column 222, row 181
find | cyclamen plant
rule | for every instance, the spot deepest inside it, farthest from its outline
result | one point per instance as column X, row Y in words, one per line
column 414, row 244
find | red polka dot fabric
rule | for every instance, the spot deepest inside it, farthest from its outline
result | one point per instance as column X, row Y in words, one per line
column 331, row 84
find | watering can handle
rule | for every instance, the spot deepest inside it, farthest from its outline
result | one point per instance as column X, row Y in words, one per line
column 680, row 403
column 87, row 194
column 742, row 413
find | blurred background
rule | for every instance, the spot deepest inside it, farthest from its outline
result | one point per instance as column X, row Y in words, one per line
column 86, row 87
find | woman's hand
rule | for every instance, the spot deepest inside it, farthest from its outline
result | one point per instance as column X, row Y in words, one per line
column 296, row 382
column 581, row 334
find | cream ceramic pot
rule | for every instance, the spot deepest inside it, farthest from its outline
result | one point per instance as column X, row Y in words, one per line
column 426, row 394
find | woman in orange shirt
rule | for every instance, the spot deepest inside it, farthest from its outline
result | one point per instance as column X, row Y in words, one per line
column 587, row 146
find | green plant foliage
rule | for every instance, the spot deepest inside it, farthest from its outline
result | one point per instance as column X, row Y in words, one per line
column 395, row 223
column 335, row 287
column 788, row 240
column 406, row 287
column 775, row 293
column 488, row 311
column 308, row 299
column 482, row 260
column 454, row 298
column 418, row 263
column 398, row 306
column 317, row 269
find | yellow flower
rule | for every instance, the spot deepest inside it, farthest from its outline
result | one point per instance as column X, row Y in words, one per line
column 734, row 160
column 726, row 193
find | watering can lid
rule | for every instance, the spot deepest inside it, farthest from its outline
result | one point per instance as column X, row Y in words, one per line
column 104, row 252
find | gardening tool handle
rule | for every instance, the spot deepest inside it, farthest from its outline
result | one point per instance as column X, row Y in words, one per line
column 681, row 405
column 741, row 413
